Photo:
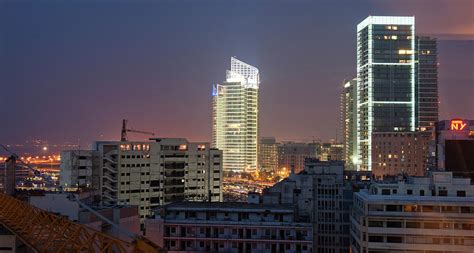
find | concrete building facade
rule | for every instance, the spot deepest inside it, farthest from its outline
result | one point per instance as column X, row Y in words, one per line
column 268, row 154
column 229, row 227
column 291, row 155
column 147, row 173
column 395, row 153
column 150, row 174
column 79, row 168
column 321, row 197
column 431, row 214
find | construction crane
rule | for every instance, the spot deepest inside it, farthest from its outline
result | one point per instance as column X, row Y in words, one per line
column 125, row 130
column 43, row 231
column 47, row 232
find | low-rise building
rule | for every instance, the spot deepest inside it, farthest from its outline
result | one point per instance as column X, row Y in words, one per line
column 126, row 217
column 453, row 147
column 425, row 214
column 79, row 168
column 229, row 227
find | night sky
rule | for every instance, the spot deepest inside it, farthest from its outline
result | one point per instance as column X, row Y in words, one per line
column 71, row 70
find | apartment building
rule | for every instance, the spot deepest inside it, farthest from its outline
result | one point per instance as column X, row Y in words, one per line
column 146, row 173
column 229, row 227
column 415, row 214
column 395, row 153
column 321, row 197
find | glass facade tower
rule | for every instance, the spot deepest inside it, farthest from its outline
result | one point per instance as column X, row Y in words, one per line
column 386, row 70
column 235, row 117
column 427, row 84
column 349, row 122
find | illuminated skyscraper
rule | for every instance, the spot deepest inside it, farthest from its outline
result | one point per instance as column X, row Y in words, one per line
column 386, row 70
column 235, row 117
column 427, row 84
column 349, row 122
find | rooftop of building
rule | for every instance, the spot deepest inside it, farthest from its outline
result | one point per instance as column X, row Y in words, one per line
column 433, row 177
column 410, row 199
column 230, row 206
column 153, row 140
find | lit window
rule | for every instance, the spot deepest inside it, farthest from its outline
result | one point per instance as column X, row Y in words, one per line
column 394, row 37
column 405, row 51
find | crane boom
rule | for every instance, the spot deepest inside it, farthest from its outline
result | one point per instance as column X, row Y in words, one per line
column 47, row 232
column 15, row 213
column 125, row 130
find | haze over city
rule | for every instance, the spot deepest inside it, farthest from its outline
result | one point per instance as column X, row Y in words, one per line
column 237, row 126
column 71, row 71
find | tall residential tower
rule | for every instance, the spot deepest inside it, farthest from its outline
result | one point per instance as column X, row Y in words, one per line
column 235, row 117
column 386, row 88
column 427, row 84
column 349, row 122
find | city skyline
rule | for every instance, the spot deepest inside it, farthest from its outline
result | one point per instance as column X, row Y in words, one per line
column 91, row 99
column 235, row 126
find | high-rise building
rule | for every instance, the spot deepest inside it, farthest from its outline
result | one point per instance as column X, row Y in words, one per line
column 235, row 117
column 427, row 84
column 395, row 153
column 428, row 214
column 349, row 122
column 268, row 154
column 386, row 80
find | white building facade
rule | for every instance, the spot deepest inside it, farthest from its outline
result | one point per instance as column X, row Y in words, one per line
column 235, row 117
column 430, row 214
column 150, row 174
